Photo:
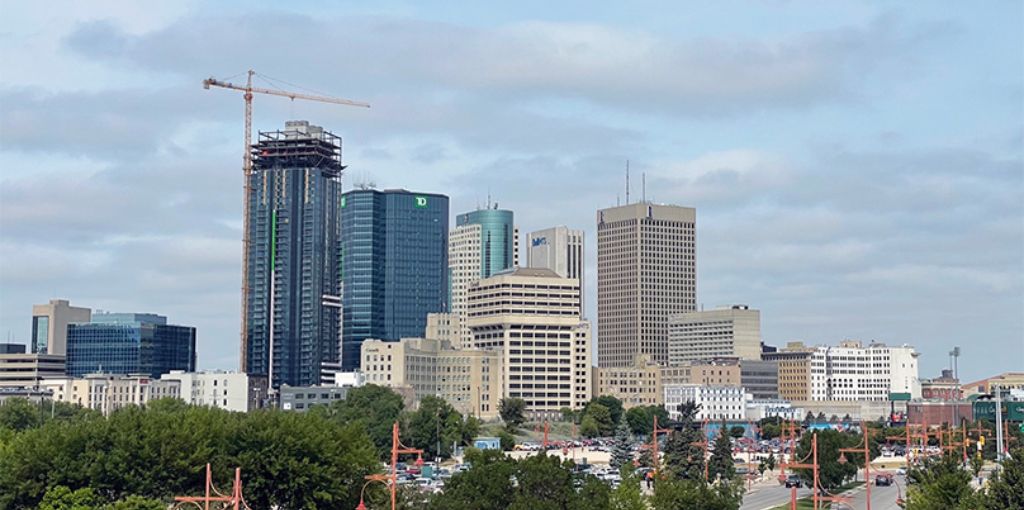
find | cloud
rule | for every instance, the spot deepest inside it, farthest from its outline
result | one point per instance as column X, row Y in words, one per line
column 520, row 62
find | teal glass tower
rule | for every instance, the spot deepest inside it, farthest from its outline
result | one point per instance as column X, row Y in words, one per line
column 497, row 238
column 394, row 250
column 130, row 343
column 293, row 302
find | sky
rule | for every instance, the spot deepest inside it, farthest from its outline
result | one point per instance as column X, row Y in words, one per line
column 857, row 167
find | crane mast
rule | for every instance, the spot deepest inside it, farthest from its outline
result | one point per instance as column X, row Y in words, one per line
column 248, row 89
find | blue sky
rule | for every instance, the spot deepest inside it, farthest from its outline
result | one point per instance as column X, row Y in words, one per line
column 857, row 168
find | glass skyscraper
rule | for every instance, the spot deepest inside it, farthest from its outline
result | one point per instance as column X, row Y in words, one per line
column 293, row 301
column 394, row 265
column 129, row 343
column 497, row 238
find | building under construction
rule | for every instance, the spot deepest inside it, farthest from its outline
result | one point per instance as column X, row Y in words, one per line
column 293, row 300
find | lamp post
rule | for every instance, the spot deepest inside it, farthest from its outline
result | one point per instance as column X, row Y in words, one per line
column 654, row 444
column 391, row 480
column 867, row 459
column 813, row 465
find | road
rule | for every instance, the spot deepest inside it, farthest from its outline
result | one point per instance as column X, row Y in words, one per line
column 882, row 498
column 769, row 497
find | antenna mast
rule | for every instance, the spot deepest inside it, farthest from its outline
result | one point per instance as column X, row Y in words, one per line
column 627, row 182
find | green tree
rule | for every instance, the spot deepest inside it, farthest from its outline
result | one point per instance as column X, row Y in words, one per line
column 436, row 423
column 512, row 411
column 61, row 497
column 720, row 465
column 1006, row 487
column 589, row 427
column 487, row 485
column 613, row 405
column 19, row 414
column 136, row 503
column 641, row 419
column 737, row 431
column 508, row 441
column 770, row 431
column 676, row 494
column 684, row 455
column 770, row 462
column 621, row 453
column 544, row 483
column 602, row 416
column 976, row 463
column 569, row 415
column 628, row 495
column 375, row 408
column 941, row 483
column 831, row 473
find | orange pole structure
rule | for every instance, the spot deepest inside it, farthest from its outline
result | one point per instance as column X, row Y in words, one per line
column 212, row 495
column 814, row 449
column 867, row 460
column 545, row 435
column 654, row 444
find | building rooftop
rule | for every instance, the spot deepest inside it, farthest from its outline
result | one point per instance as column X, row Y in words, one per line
column 528, row 271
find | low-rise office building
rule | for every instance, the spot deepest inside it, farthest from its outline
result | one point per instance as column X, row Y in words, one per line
column 468, row 379
column 107, row 393
column 716, row 402
column 29, row 370
column 302, row 398
column 639, row 385
column 760, row 378
column 129, row 343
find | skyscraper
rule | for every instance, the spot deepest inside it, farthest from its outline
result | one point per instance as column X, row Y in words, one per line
column 50, row 325
column 394, row 250
column 130, row 343
column 532, row 317
column 559, row 249
column 293, row 302
column 482, row 243
column 646, row 271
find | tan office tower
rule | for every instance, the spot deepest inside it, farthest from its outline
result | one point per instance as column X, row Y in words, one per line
column 50, row 325
column 532, row 317
column 646, row 271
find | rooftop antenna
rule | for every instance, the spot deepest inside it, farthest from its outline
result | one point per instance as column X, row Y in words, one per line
column 627, row 182
column 643, row 186
column 488, row 197
column 617, row 200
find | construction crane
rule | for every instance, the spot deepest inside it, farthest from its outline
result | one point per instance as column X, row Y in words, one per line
column 248, row 89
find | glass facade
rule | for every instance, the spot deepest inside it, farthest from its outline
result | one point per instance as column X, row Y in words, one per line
column 130, row 344
column 394, row 265
column 293, row 301
column 497, row 238
column 40, row 333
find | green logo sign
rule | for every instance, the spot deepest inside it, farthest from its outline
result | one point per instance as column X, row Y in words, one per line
column 343, row 201
column 421, row 201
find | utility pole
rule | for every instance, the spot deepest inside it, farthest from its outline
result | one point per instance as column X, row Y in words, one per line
column 999, row 424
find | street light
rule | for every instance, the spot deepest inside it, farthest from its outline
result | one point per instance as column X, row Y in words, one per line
column 867, row 459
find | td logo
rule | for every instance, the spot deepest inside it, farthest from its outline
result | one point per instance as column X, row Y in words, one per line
column 421, row 201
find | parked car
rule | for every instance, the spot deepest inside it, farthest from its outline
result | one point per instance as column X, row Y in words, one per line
column 794, row 481
column 883, row 479
column 901, row 471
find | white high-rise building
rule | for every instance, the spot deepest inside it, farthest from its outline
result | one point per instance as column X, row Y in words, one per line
column 719, row 333
column 646, row 272
column 852, row 371
column 464, row 266
column 559, row 249
column 483, row 243
column 532, row 317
